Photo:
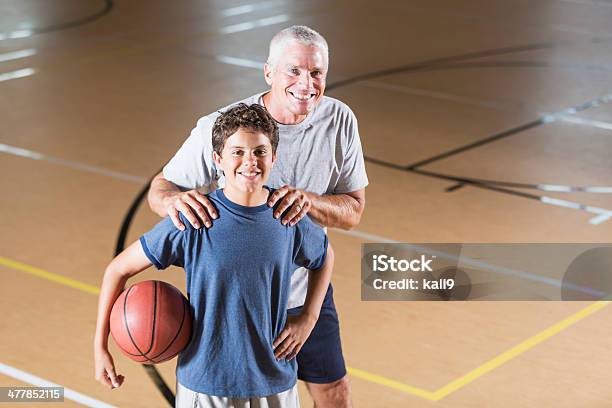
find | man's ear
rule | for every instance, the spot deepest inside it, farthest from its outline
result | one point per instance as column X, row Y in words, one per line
column 268, row 73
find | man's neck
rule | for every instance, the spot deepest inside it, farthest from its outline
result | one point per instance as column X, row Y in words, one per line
column 246, row 199
column 280, row 115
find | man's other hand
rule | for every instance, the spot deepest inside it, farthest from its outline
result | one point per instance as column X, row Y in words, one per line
column 289, row 196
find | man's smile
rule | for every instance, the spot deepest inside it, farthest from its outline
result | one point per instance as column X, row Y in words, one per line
column 302, row 96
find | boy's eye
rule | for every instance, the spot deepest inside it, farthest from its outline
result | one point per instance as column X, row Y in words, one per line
column 260, row 152
column 237, row 153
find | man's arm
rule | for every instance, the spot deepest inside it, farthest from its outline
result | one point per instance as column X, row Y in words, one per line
column 166, row 199
column 331, row 210
column 338, row 210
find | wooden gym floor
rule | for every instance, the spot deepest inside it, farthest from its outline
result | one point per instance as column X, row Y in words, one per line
column 95, row 97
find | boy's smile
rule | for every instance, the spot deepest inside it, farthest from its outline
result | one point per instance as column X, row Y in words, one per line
column 246, row 161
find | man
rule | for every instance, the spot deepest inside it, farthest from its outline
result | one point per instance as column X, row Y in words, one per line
column 320, row 172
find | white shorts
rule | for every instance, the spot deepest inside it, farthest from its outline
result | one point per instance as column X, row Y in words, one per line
column 186, row 398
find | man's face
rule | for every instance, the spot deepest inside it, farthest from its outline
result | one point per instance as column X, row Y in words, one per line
column 297, row 80
column 246, row 160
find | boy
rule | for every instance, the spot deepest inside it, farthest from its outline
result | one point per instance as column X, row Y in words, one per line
column 238, row 277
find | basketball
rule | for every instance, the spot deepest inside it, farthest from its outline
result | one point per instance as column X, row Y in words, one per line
column 151, row 322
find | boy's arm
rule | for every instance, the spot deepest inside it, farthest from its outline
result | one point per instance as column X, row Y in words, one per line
column 127, row 264
column 297, row 329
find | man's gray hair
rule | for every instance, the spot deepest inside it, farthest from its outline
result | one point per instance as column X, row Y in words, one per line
column 302, row 34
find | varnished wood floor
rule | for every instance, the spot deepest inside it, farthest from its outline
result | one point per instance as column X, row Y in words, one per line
column 102, row 104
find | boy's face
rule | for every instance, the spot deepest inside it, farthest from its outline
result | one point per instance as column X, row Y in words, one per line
column 246, row 160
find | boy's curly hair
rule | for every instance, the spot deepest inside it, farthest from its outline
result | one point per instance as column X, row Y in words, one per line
column 253, row 117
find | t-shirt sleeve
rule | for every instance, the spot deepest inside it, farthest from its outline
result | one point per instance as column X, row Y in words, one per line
column 353, row 175
column 164, row 245
column 192, row 167
column 310, row 245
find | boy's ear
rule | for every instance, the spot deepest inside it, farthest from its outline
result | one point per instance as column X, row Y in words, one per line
column 273, row 157
column 217, row 159
column 268, row 73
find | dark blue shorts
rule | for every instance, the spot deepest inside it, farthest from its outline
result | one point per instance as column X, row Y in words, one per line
column 320, row 360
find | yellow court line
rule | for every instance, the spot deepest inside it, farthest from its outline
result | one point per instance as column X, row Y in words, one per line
column 518, row 349
column 53, row 277
column 377, row 379
column 364, row 375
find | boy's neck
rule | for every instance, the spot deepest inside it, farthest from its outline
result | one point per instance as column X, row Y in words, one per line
column 246, row 199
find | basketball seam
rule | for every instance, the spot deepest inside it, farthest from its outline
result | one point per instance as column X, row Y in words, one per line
column 156, row 287
column 127, row 327
column 178, row 331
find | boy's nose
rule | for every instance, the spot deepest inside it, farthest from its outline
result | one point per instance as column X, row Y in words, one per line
column 249, row 160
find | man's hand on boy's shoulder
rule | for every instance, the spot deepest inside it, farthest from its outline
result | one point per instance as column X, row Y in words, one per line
column 194, row 206
column 297, row 200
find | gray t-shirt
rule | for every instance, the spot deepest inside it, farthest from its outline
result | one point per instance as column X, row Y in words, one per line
column 322, row 154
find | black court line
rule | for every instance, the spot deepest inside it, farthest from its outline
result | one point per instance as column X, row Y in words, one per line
column 515, row 64
column 478, row 143
column 494, row 185
column 450, row 61
column 495, row 137
column 108, row 6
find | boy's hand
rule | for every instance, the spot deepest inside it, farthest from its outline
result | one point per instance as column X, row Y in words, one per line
column 295, row 333
column 297, row 199
column 105, row 370
column 190, row 203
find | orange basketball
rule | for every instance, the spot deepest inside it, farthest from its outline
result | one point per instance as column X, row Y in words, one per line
column 151, row 322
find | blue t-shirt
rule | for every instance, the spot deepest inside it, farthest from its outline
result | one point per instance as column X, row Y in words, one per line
column 238, row 279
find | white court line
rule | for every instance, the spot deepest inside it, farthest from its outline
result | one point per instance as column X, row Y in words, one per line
column 72, row 164
column 10, row 56
column 366, row 236
column 599, row 219
column 602, row 213
column 588, row 2
column 40, row 382
column 570, row 189
column 16, row 34
column 432, row 94
column 587, row 122
column 249, row 8
column 20, row 73
column 560, row 115
column 249, row 25
column 575, row 30
column 240, row 62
